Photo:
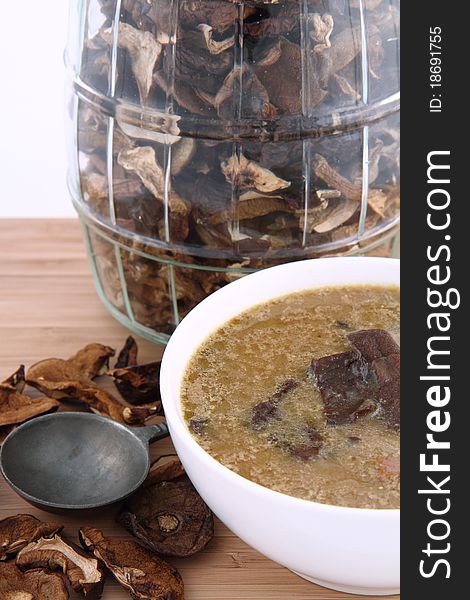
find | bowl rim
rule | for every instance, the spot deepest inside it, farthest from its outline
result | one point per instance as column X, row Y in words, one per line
column 171, row 397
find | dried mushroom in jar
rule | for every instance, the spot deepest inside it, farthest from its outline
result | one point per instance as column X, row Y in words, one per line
column 225, row 163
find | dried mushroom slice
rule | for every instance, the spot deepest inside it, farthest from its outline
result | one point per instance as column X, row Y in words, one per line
column 214, row 46
column 279, row 19
column 337, row 213
column 83, row 572
column 137, row 384
column 16, row 380
column 243, row 87
column 142, row 161
column 139, row 571
column 33, row 585
column 164, row 468
column 18, row 531
column 16, row 407
column 322, row 27
column 92, row 360
column 70, row 380
column 169, row 518
column 143, row 49
column 323, row 170
column 182, row 153
column 343, row 49
column 248, row 174
column 285, row 93
column 128, row 354
column 219, row 14
column 154, row 15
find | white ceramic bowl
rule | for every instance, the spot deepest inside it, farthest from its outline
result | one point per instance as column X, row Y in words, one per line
column 349, row 549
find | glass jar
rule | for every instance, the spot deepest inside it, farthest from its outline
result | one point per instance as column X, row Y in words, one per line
column 211, row 138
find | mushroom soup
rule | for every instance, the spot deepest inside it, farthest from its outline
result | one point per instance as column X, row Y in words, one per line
column 301, row 395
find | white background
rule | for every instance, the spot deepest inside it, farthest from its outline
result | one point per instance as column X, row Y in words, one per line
column 32, row 138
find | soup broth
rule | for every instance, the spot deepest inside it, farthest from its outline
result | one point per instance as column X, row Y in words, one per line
column 253, row 400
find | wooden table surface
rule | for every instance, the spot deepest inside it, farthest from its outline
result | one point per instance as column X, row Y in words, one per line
column 48, row 307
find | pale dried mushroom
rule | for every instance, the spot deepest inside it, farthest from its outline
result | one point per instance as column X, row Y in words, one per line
column 248, row 174
column 215, row 47
column 33, row 585
column 144, row 50
column 142, row 161
column 323, row 170
column 83, row 572
column 15, row 406
column 335, row 215
column 322, row 27
column 18, row 531
column 139, row 571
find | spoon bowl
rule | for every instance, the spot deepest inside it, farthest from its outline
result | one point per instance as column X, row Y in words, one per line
column 72, row 460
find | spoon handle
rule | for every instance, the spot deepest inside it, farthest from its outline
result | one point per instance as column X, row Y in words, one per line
column 151, row 433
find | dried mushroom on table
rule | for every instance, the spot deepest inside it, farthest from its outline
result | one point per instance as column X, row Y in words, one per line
column 138, row 570
column 16, row 407
column 75, row 380
column 167, row 514
column 83, row 572
column 20, row 530
column 244, row 135
column 32, row 585
column 72, row 380
column 137, row 384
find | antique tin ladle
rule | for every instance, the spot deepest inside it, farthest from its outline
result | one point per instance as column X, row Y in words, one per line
column 73, row 460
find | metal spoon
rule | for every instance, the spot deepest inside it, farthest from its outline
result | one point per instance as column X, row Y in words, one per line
column 72, row 460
